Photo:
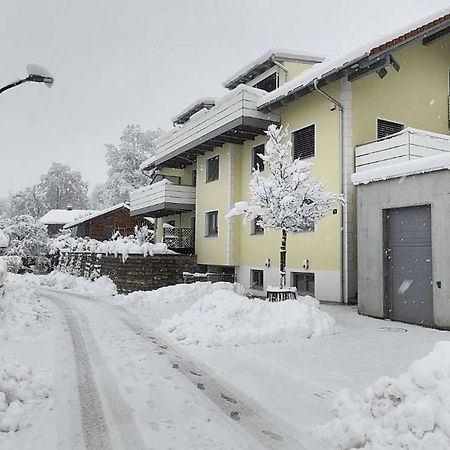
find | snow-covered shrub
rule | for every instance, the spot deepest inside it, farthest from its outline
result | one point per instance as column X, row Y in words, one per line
column 411, row 411
column 27, row 237
column 20, row 390
column 227, row 318
column 13, row 263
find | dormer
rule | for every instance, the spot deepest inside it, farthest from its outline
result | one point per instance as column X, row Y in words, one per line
column 273, row 69
column 202, row 105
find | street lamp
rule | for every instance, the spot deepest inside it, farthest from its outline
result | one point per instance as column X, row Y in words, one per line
column 36, row 73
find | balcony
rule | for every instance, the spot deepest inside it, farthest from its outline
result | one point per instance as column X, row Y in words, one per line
column 233, row 119
column 407, row 145
column 162, row 199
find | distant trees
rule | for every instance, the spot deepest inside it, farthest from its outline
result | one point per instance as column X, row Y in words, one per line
column 123, row 163
column 59, row 187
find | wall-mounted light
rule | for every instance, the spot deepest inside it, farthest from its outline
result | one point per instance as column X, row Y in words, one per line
column 267, row 262
column 382, row 72
column 305, row 264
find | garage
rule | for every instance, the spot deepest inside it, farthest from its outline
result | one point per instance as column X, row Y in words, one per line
column 403, row 237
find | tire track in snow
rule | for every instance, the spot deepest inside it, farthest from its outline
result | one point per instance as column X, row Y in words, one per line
column 261, row 429
column 95, row 430
column 127, row 433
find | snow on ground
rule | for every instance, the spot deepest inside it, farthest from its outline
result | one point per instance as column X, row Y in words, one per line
column 25, row 360
column 411, row 411
column 226, row 318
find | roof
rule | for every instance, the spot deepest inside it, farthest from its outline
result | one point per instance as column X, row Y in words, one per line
column 403, row 169
column 96, row 214
column 198, row 105
column 265, row 62
column 63, row 216
column 372, row 50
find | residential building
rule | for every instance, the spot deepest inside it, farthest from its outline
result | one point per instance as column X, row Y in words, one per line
column 331, row 107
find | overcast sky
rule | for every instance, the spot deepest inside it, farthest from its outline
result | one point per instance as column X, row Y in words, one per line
column 117, row 62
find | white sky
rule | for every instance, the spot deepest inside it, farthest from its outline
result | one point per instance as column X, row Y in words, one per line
column 117, row 62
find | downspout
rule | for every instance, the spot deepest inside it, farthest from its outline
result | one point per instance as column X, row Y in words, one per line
column 344, row 287
column 283, row 68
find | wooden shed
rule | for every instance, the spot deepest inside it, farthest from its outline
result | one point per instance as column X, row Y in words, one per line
column 103, row 224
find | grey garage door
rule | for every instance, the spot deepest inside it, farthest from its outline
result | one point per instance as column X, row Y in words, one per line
column 408, row 274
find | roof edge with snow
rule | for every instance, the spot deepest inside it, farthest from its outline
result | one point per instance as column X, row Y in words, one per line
column 198, row 105
column 97, row 214
column 265, row 61
column 360, row 61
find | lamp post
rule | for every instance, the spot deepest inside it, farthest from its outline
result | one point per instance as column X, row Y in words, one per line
column 36, row 74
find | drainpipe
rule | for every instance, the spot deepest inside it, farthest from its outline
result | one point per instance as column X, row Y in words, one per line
column 344, row 287
column 283, row 68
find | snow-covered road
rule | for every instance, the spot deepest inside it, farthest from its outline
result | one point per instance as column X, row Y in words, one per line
column 136, row 391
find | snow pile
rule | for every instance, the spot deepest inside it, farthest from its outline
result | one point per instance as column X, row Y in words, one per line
column 21, row 312
column 20, row 391
column 226, row 318
column 179, row 293
column 410, row 412
column 59, row 280
column 3, row 272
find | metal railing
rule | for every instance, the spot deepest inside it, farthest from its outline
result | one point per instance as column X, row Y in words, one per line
column 179, row 238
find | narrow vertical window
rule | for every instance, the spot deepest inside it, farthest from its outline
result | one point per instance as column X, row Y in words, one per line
column 257, row 162
column 212, row 169
column 212, row 223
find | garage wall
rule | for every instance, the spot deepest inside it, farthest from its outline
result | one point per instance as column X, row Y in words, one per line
column 432, row 188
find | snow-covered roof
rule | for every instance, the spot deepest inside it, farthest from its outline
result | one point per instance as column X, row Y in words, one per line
column 403, row 169
column 96, row 214
column 63, row 216
column 265, row 61
column 198, row 105
column 4, row 239
column 373, row 48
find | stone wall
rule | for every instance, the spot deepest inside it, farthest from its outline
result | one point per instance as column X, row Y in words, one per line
column 136, row 273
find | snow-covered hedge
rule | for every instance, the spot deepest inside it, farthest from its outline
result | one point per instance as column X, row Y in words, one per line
column 118, row 246
column 408, row 412
column 227, row 318
column 20, row 391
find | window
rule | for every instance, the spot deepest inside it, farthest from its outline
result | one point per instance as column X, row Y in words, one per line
column 257, row 279
column 212, row 169
column 268, row 84
column 257, row 162
column 304, row 142
column 304, row 282
column 386, row 128
column 194, row 178
column 255, row 228
column 212, row 223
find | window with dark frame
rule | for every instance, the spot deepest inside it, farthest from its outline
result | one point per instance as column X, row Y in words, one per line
column 386, row 128
column 257, row 279
column 304, row 142
column 212, row 169
column 268, row 84
column 304, row 282
column 212, row 223
column 194, row 178
column 255, row 227
column 257, row 162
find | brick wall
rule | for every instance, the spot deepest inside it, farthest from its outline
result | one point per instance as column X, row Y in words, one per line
column 136, row 273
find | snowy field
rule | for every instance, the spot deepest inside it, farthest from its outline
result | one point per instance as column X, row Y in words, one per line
column 200, row 366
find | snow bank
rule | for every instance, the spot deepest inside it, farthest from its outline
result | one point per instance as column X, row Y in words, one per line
column 21, row 312
column 227, row 318
column 3, row 272
column 179, row 293
column 4, row 239
column 410, row 412
column 20, row 391
column 59, row 280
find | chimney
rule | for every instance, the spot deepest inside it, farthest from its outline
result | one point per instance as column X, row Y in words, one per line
column 69, row 208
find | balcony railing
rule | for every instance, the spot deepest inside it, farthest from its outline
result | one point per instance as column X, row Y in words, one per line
column 162, row 199
column 179, row 238
column 404, row 146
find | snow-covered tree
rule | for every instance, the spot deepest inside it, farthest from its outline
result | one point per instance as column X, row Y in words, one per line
column 61, row 186
column 28, row 201
column 27, row 236
column 124, row 160
column 289, row 198
column 100, row 197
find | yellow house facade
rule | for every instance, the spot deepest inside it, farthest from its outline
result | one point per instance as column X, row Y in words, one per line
column 333, row 110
